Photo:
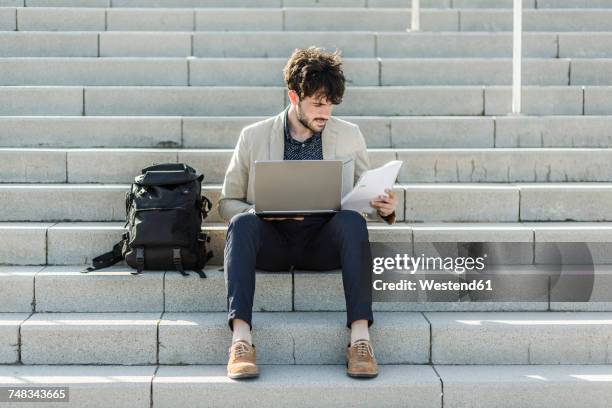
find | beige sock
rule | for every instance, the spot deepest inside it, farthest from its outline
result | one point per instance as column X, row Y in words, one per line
column 241, row 331
column 359, row 331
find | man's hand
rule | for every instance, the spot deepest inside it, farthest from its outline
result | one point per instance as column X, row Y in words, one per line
column 385, row 203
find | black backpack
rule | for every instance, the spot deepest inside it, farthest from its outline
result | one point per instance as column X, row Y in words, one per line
column 165, row 209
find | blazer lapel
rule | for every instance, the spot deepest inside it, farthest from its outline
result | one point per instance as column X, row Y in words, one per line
column 328, row 140
column 277, row 139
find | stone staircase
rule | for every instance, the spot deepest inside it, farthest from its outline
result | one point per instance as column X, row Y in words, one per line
column 91, row 91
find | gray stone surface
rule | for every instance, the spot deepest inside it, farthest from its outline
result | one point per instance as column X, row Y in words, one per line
column 265, row 19
column 111, row 165
column 269, row 72
column 291, row 338
column 591, row 72
column 505, row 165
column 565, row 202
column 60, row 19
column 15, row 236
column 17, row 290
column 89, row 386
column 41, row 101
column 553, row 131
column 90, row 338
column 90, row 131
column 303, row 386
column 522, row 386
column 445, row 131
column 94, row 72
column 597, row 100
column 550, row 100
column 8, row 19
column 188, row 101
column 280, row 44
column 425, row 44
column 75, row 202
column 213, row 163
column 149, row 20
column 468, row 202
column 145, row 44
column 113, row 289
column 478, row 71
column 32, row 166
column 273, row 292
column 77, row 243
column 48, row 44
column 520, row 338
column 537, row 20
column 362, row 19
column 428, row 101
column 578, row 243
column 585, row 45
column 9, row 336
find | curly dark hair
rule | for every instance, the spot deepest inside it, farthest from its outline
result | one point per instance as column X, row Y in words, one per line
column 313, row 71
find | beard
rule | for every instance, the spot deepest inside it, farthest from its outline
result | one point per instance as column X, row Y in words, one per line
column 304, row 121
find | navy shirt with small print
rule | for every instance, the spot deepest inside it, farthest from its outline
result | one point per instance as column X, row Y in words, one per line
column 309, row 149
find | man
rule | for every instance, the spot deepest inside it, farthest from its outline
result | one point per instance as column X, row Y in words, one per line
column 304, row 131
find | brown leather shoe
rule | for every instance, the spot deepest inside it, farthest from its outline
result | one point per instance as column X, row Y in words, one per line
column 241, row 362
column 360, row 360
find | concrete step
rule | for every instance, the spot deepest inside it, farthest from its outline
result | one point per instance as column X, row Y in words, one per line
column 520, row 338
column 530, row 338
column 241, row 19
column 207, row 385
column 358, row 101
column 76, row 243
column 132, row 338
column 519, row 386
column 93, row 386
column 278, row 3
column 257, row 44
column 309, row 3
column 296, row 19
column 324, row 385
column 65, row 289
column 489, row 165
column 94, row 202
column 378, row 131
column 268, row 71
column 291, row 338
column 537, row 20
column 427, row 202
column 90, row 338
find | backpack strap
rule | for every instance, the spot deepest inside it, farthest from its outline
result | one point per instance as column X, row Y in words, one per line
column 178, row 261
column 107, row 259
column 206, row 207
column 140, row 261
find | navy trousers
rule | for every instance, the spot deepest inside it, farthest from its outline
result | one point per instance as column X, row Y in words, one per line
column 318, row 243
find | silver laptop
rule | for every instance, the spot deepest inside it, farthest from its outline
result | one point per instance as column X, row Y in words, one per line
column 297, row 187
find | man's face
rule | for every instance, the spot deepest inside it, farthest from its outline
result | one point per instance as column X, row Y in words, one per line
column 313, row 112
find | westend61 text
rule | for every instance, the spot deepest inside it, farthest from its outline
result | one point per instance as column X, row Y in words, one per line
column 432, row 285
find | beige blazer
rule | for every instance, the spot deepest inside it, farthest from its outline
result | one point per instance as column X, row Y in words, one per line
column 265, row 140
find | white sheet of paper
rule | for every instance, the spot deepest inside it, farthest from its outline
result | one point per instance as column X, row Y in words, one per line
column 371, row 184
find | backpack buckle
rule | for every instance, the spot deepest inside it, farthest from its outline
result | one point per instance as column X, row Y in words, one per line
column 139, row 259
column 177, row 260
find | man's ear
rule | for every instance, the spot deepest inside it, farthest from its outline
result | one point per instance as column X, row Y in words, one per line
column 293, row 97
